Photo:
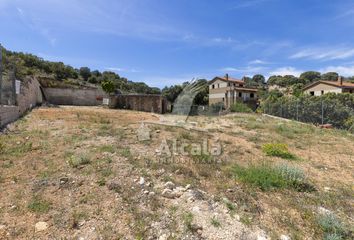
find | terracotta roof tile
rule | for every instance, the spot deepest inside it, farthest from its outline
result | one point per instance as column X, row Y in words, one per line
column 332, row 83
column 344, row 84
column 230, row 79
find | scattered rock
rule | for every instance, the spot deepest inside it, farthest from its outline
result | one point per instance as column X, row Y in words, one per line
column 114, row 186
column 2, row 227
column 197, row 194
column 168, row 193
column 39, row 184
column 180, row 189
column 193, row 123
column 158, row 131
column 163, row 237
column 142, row 181
column 327, row 189
column 169, row 185
column 324, row 211
column 63, row 180
column 196, row 227
column 151, row 193
column 188, row 187
column 41, row 226
column 262, row 237
column 284, row 237
column 146, row 192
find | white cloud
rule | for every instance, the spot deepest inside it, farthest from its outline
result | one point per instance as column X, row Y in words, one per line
column 347, row 13
column 126, row 70
column 286, row 71
column 162, row 81
column 243, row 70
column 248, row 3
column 347, row 71
column 324, row 53
column 257, row 61
column 36, row 25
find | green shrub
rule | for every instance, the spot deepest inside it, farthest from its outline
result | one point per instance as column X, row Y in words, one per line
column 76, row 161
column 277, row 150
column 240, row 107
column 330, row 224
column 39, row 205
column 2, row 147
column 215, row 222
column 264, row 176
column 291, row 173
column 229, row 205
column 267, row 177
column 188, row 220
column 333, row 236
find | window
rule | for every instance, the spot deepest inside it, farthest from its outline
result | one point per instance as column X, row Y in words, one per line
column 241, row 85
column 252, row 95
column 228, row 84
column 218, row 85
column 351, row 91
column 223, row 99
column 312, row 93
column 234, row 84
column 240, row 94
column 213, row 86
column 322, row 92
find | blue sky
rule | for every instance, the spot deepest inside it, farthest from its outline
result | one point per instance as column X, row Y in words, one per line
column 163, row 42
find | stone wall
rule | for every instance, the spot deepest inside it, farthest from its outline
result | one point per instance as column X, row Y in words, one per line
column 140, row 102
column 29, row 97
column 77, row 97
column 8, row 114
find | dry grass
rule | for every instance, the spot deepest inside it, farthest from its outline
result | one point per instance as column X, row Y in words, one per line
column 97, row 153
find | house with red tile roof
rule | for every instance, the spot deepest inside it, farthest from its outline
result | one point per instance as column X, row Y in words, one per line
column 322, row 87
column 228, row 90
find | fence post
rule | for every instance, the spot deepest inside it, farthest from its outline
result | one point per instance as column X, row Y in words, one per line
column 0, row 74
column 322, row 112
column 281, row 109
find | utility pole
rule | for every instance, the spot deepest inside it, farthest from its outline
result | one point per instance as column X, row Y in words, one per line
column 1, row 74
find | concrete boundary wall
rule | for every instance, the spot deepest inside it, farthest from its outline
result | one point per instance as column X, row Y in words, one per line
column 76, row 97
column 29, row 97
column 8, row 114
column 140, row 102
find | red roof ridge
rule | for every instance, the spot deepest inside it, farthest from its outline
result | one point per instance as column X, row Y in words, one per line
column 345, row 84
column 230, row 79
column 333, row 83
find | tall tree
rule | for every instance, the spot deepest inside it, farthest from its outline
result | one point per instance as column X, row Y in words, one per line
column 330, row 76
column 310, row 76
column 259, row 80
column 85, row 73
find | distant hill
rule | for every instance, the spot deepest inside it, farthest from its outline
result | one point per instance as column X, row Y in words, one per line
column 58, row 74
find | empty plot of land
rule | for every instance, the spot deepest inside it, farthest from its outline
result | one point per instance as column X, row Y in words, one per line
column 83, row 172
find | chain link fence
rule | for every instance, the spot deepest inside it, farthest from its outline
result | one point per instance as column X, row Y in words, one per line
column 7, row 84
column 198, row 110
column 316, row 112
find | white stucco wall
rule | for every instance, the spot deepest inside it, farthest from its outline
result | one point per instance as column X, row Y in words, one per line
column 317, row 89
column 217, row 95
column 222, row 84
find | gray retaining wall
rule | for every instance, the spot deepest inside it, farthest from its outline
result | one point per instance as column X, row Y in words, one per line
column 77, row 97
